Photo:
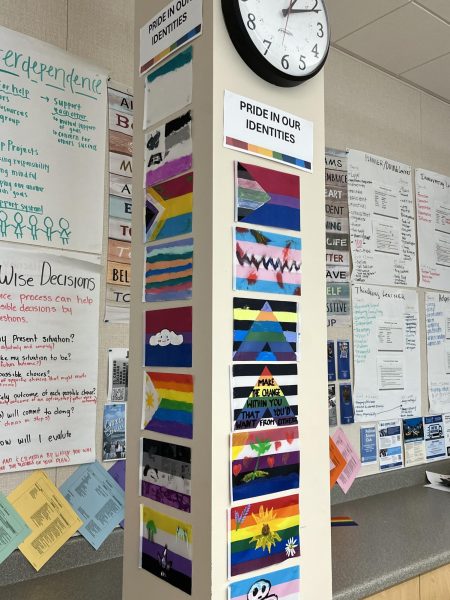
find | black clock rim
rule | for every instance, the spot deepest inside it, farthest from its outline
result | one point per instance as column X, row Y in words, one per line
column 253, row 58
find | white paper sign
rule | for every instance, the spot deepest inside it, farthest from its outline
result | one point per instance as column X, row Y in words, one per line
column 52, row 146
column 433, row 229
column 177, row 24
column 256, row 128
column 437, row 306
column 382, row 229
column 49, row 311
column 386, row 353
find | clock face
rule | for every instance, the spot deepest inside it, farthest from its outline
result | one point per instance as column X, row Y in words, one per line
column 284, row 41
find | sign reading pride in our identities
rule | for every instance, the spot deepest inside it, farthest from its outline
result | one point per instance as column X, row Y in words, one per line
column 177, row 24
column 263, row 130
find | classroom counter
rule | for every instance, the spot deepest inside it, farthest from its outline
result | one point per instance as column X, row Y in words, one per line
column 401, row 534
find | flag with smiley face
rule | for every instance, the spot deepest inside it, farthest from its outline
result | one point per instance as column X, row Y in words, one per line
column 168, row 337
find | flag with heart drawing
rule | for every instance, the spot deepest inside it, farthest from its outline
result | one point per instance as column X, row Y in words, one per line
column 264, row 462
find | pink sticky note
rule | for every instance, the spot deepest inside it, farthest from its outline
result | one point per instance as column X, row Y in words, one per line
column 351, row 470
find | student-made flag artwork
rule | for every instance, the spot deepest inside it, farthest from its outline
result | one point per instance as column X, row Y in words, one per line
column 267, row 262
column 267, row 197
column 168, row 208
column 263, row 533
column 166, row 548
column 264, row 395
column 168, row 150
column 168, row 337
column 264, row 330
column 264, row 462
column 168, row 403
column 168, row 272
column 168, row 89
column 276, row 585
column 166, row 473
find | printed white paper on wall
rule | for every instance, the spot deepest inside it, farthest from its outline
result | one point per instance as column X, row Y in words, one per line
column 49, row 312
column 256, row 128
column 433, row 229
column 382, row 230
column 437, row 306
column 52, row 146
column 386, row 353
column 390, row 447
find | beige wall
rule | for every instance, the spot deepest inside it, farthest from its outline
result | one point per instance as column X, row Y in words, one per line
column 367, row 110
column 102, row 32
column 212, row 328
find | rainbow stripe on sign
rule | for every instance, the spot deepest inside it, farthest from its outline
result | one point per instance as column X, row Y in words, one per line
column 183, row 40
column 298, row 162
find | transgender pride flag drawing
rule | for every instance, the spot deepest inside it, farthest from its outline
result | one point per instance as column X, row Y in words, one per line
column 267, row 262
column 279, row 585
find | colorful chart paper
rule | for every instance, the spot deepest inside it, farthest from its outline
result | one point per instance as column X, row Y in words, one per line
column 264, row 462
column 168, row 337
column 168, row 208
column 267, row 197
column 168, row 150
column 13, row 528
column 166, row 548
column 168, row 403
column 267, row 262
column 277, row 585
column 168, row 89
column 97, row 499
column 166, row 473
column 264, row 396
column 168, row 271
column 264, row 533
column 47, row 513
column 264, row 330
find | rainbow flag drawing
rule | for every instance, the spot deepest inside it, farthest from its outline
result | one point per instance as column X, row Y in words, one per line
column 166, row 548
column 168, row 403
column 263, row 533
column 168, row 272
column 278, row 585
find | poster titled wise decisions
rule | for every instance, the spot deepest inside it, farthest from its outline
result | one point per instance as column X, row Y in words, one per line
column 49, row 309
column 52, row 146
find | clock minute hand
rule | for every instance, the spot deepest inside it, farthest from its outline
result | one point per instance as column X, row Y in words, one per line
column 286, row 11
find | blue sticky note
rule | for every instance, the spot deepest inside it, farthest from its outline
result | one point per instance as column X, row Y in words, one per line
column 97, row 499
column 331, row 361
column 368, row 439
column 13, row 529
column 346, row 404
column 343, row 359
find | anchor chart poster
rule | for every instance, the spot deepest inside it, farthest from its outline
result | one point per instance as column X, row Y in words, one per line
column 48, row 359
column 52, row 146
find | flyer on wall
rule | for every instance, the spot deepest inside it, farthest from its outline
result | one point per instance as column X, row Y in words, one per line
column 386, row 353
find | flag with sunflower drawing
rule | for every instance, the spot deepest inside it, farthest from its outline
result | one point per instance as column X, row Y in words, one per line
column 263, row 533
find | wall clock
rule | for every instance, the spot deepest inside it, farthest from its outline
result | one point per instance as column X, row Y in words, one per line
column 283, row 41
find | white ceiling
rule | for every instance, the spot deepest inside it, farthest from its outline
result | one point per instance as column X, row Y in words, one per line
column 408, row 38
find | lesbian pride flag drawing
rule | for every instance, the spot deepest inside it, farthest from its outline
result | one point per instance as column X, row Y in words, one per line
column 267, row 262
column 263, row 533
column 278, row 585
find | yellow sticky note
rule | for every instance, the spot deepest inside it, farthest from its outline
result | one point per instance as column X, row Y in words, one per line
column 49, row 516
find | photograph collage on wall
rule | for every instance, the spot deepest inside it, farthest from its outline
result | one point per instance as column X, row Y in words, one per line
column 168, row 397
column 264, row 439
column 118, row 282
